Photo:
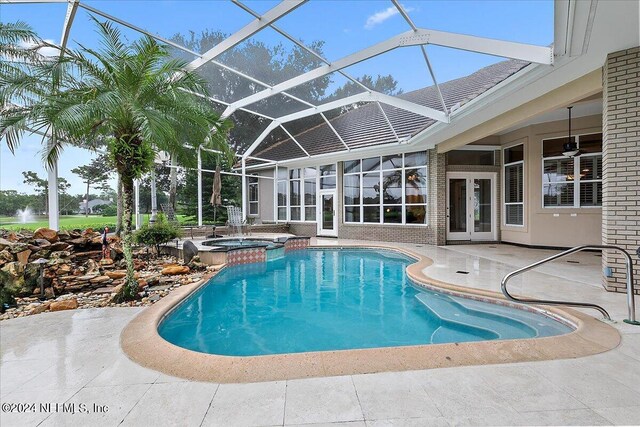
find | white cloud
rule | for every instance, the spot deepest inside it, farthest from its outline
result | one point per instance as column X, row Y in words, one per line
column 381, row 16
column 44, row 51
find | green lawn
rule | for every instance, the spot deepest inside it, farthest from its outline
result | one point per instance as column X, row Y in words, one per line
column 68, row 222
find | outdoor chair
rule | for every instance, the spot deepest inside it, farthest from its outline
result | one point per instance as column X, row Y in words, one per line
column 236, row 222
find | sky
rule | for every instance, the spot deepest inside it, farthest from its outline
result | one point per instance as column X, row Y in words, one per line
column 346, row 26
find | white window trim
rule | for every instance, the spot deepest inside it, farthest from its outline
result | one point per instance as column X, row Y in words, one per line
column 504, row 185
column 286, row 205
column 257, row 201
column 302, row 180
column 576, row 173
column 403, row 205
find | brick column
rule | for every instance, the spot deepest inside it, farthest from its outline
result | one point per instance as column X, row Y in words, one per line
column 437, row 196
column 621, row 163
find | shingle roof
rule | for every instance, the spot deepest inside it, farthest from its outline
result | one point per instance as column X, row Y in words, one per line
column 366, row 125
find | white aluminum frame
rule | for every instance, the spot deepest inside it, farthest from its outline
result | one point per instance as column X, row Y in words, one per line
column 415, row 37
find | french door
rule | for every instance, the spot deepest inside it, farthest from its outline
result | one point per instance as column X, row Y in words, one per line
column 328, row 221
column 471, row 206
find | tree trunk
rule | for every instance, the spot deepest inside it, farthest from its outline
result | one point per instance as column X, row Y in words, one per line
column 173, row 186
column 119, row 207
column 86, row 204
column 130, row 288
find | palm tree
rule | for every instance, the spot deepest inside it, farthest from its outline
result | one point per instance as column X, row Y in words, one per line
column 134, row 95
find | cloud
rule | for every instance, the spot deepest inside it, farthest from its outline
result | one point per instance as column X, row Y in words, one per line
column 381, row 16
column 44, row 51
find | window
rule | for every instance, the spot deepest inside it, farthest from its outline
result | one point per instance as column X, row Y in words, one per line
column 388, row 189
column 253, row 196
column 471, row 157
column 297, row 193
column 572, row 182
column 309, row 194
column 282, row 194
column 514, row 185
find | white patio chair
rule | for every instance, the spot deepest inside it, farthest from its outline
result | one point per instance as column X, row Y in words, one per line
column 235, row 221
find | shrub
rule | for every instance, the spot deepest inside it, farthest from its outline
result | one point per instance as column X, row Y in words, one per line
column 156, row 234
column 110, row 210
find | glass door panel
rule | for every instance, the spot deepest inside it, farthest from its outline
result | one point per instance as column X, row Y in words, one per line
column 327, row 211
column 328, row 223
column 470, row 206
column 457, row 205
column 482, row 209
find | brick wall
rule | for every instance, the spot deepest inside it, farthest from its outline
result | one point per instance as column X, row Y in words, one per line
column 621, row 162
column 303, row 229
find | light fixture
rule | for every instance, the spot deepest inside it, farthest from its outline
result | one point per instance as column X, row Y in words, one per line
column 570, row 148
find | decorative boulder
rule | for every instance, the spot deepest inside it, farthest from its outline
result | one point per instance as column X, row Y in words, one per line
column 23, row 257
column 189, row 250
column 172, row 270
column 68, row 304
column 46, row 233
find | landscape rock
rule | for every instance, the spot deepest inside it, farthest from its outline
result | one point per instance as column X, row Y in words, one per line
column 106, row 261
column 59, row 254
column 91, row 266
column 18, row 247
column 189, row 250
column 99, row 279
column 14, row 269
column 40, row 308
column 68, row 304
column 60, row 246
column 80, row 241
column 42, row 243
column 46, row 233
column 6, row 255
column 5, row 243
column 116, row 274
column 23, row 257
column 174, row 269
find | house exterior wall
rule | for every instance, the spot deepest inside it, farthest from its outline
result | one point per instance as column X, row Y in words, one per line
column 433, row 233
column 550, row 226
column 265, row 197
column 621, row 163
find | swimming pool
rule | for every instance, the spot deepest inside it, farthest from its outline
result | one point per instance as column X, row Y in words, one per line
column 335, row 299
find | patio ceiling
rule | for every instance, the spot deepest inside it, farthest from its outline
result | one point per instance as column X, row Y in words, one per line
column 280, row 102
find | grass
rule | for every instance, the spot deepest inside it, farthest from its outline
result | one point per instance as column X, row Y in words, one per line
column 69, row 222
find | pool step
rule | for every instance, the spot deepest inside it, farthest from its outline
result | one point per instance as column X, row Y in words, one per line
column 473, row 317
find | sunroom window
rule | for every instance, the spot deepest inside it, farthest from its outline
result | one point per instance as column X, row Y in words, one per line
column 388, row 189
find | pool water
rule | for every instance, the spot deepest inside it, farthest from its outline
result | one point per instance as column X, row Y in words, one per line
column 335, row 299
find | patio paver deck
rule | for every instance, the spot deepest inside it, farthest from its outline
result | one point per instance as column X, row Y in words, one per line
column 75, row 357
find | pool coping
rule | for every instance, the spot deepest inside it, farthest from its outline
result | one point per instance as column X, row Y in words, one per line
column 142, row 343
